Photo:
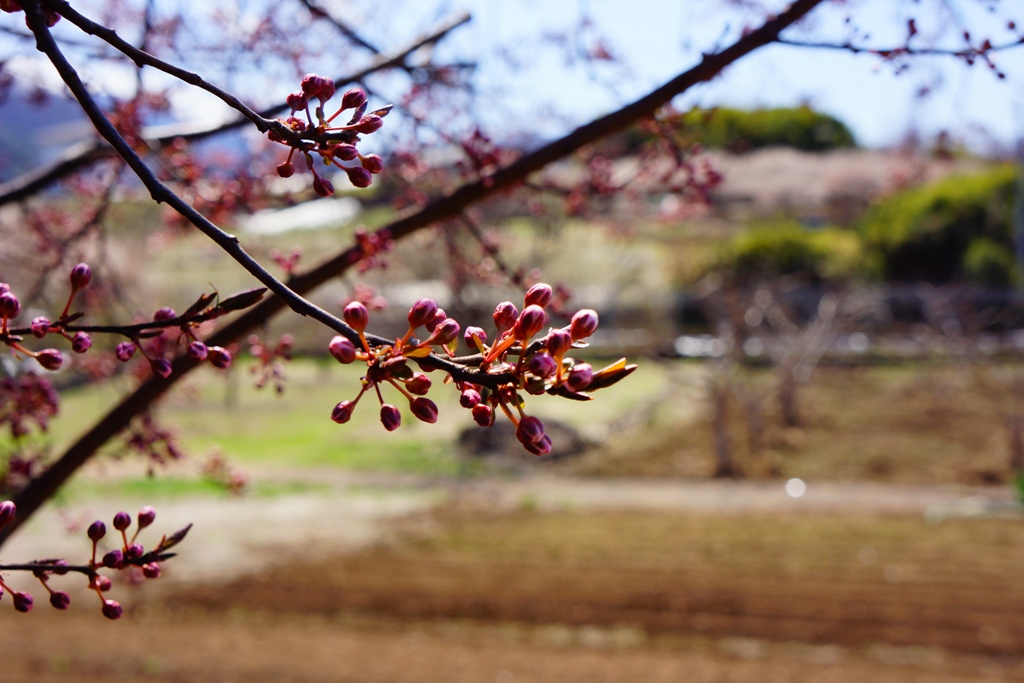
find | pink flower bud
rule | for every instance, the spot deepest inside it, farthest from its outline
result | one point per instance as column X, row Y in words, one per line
column 540, row 295
column 345, row 151
column 40, row 327
column 133, row 552
column 113, row 559
column 353, row 99
column 370, row 123
column 542, row 365
column 10, row 307
column 424, row 409
column 422, row 312
column 146, row 516
column 297, row 100
column 342, row 349
column 327, row 90
column 505, row 316
column 97, row 530
column 161, row 367
column 419, row 385
column 124, row 351
column 151, row 570
column 469, row 399
column 81, row 342
column 342, row 412
column 285, row 169
column 483, row 414
column 60, row 599
column 530, row 322
column 359, row 176
column 7, row 513
column 81, row 276
column 311, row 84
column 583, row 324
column 579, row 377
column 322, row 186
column 446, row 332
column 122, row 520
column 22, row 601
column 530, row 430
column 373, row 163
column 219, row 357
column 439, row 317
column 558, row 343
column 390, row 417
column 103, row 583
column 474, row 335
column 165, row 313
column 539, row 448
column 51, row 359
column 111, row 609
column 197, row 351
column 356, row 316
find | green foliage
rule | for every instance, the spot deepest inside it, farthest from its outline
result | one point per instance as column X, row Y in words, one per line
column 957, row 228
column 789, row 249
column 739, row 130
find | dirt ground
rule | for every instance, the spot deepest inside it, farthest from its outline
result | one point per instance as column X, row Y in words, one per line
column 553, row 588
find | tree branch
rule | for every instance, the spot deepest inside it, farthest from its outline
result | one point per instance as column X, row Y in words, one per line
column 40, row 489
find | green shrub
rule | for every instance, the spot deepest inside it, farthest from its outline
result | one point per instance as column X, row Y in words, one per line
column 957, row 228
column 788, row 249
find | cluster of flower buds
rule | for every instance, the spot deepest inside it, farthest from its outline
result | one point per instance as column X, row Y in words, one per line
column 335, row 144
column 128, row 554
column 160, row 343
column 372, row 246
column 269, row 366
column 521, row 360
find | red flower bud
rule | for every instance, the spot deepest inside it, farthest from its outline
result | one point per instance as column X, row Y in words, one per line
column 146, row 516
column 97, row 530
column 356, row 316
column 342, row 349
column 22, row 601
column 540, row 294
column 469, row 399
column 345, row 151
column 530, row 322
column 197, row 351
column 125, row 351
column 474, row 335
column 583, row 324
column 558, row 343
column 446, row 332
column 60, row 599
column 297, row 100
column 285, row 169
column 370, row 123
column 422, row 312
column 122, row 520
column 7, row 513
column 81, row 276
column 103, row 583
column 353, row 99
column 342, row 412
column 219, row 357
column 359, row 176
column 505, row 316
column 373, row 163
column 10, row 307
column 579, row 377
column 151, row 570
column 322, row 186
column 542, row 365
column 165, row 313
column 539, row 448
column 40, row 327
column 113, row 559
column 483, row 414
column 311, row 84
column 530, row 430
column 51, row 359
column 327, row 90
column 112, row 610
column 419, row 385
column 390, row 417
column 81, row 342
column 424, row 409
column 133, row 552
column 161, row 367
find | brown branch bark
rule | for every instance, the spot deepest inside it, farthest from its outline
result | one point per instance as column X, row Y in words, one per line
column 42, row 488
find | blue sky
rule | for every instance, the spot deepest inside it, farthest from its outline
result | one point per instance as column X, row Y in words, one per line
column 656, row 39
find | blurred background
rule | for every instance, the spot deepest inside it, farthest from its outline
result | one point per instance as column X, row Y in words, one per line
column 815, row 259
